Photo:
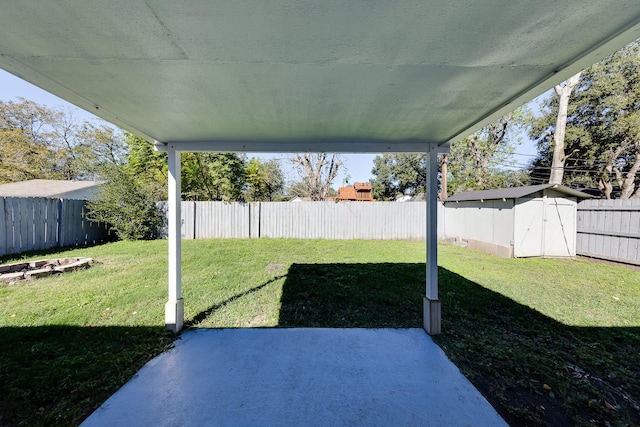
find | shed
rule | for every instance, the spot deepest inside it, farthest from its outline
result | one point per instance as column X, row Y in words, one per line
column 51, row 188
column 530, row 221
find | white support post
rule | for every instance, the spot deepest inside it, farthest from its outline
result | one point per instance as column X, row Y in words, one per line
column 431, row 303
column 174, row 309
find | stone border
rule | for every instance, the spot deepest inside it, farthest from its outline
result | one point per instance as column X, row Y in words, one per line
column 12, row 273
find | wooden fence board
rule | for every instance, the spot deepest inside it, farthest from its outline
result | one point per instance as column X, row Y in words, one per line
column 609, row 229
column 38, row 223
column 345, row 220
column 52, row 223
column 3, row 227
column 9, row 215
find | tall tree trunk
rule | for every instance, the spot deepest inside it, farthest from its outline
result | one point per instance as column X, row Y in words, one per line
column 559, row 158
column 605, row 181
column 318, row 172
column 628, row 185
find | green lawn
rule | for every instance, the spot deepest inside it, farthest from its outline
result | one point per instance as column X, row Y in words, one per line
column 546, row 341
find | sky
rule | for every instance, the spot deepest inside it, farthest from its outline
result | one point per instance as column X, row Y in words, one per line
column 357, row 167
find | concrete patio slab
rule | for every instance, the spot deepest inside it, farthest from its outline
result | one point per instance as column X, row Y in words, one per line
column 299, row 377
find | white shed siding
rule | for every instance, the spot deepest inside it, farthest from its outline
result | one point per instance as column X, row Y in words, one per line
column 560, row 227
column 528, row 229
column 542, row 223
column 490, row 221
column 545, row 226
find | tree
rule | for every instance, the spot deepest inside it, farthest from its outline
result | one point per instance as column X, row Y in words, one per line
column 126, row 206
column 98, row 147
column 317, row 172
column 397, row 174
column 559, row 157
column 26, row 148
column 482, row 161
column 37, row 142
column 478, row 162
column 213, row 176
column 603, row 127
column 204, row 176
column 264, row 180
column 149, row 167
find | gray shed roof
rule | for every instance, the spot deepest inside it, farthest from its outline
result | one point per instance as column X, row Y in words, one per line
column 44, row 188
column 515, row 193
column 292, row 76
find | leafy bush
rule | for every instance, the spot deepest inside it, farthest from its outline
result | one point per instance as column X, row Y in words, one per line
column 126, row 206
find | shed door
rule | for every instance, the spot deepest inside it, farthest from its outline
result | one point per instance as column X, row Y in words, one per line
column 528, row 232
column 560, row 228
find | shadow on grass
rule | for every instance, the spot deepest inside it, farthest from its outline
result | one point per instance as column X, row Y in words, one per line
column 353, row 296
column 509, row 351
column 57, row 375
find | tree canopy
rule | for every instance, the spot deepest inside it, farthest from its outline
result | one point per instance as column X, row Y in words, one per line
column 206, row 176
column 264, row 180
column 482, row 161
column 397, row 174
column 479, row 162
column 37, row 142
column 602, row 139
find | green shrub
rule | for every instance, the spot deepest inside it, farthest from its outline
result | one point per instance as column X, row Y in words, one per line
column 126, row 206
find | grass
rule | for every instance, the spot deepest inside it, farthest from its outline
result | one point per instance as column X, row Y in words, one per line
column 548, row 342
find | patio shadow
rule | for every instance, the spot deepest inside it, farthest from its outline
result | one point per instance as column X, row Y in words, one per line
column 384, row 295
column 59, row 374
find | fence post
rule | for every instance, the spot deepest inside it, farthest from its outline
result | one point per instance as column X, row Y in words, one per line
column 259, row 220
column 59, row 224
column 195, row 220
column 251, row 213
column 3, row 227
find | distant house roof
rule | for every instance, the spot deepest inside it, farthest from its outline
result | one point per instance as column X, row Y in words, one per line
column 50, row 188
column 515, row 193
column 362, row 186
column 360, row 191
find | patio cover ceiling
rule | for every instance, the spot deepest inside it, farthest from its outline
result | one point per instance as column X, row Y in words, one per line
column 290, row 75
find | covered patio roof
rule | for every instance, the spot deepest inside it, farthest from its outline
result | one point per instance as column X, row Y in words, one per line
column 293, row 76
column 306, row 76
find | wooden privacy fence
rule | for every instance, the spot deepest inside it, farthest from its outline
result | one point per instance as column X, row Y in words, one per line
column 305, row 220
column 609, row 229
column 29, row 223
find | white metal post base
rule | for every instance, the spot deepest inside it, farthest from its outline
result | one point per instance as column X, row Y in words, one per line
column 174, row 315
column 432, row 316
